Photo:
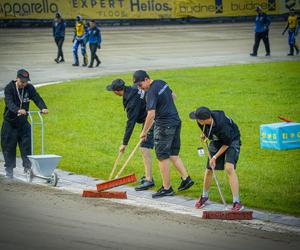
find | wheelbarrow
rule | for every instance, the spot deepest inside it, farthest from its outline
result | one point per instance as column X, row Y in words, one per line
column 43, row 165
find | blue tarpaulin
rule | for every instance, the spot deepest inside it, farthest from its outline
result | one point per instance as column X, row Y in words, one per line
column 283, row 135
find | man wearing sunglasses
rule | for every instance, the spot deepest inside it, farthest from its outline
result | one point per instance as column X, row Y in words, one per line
column 16, row 129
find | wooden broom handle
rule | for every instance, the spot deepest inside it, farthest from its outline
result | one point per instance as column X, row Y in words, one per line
column 128, row 159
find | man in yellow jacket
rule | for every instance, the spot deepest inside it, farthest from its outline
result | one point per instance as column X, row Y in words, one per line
column 292, row 26
column 80, row 38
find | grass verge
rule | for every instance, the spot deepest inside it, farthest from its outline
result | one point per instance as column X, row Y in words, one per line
column 86, row 125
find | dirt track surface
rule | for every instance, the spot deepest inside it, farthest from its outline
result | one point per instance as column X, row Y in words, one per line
column 37, row 217
column 126, row 49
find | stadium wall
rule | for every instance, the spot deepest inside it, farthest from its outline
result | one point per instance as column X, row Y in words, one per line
column 138, row 12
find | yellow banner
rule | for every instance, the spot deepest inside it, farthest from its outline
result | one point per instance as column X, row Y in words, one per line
column 124, row 9
column 139, row 9
column 217, row 8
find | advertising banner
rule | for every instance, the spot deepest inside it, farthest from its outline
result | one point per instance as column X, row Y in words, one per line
column 139, row 9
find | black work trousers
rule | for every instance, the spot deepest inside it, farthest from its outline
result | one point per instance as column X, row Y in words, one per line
column 59, row 43
column 93, row 48
column 11, row 136
column 261, row 36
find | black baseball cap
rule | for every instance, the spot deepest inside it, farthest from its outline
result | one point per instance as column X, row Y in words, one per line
column 23, row 75
column 201, row 113
column 258, row 8
column 116, row 85
column 57, row 15
column 139, row 76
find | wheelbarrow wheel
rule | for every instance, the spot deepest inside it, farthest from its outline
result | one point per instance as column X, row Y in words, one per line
column 29, row 175
column 54, row 179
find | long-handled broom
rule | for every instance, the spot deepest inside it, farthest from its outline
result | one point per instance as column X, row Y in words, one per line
column 216, row 179
column 225, row 214
column 111, row 183
column 118, row 181
column 115, row 165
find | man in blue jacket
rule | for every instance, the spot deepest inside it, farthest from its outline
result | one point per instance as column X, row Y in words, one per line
column 262, row 23
column 59, row 26
column 95, row 42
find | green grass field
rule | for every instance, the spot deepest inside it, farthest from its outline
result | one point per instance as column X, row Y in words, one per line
column 86, row 125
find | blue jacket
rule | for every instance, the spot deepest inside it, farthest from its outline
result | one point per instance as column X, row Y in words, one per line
column 59, row 28
column 95, row 36
column 262, row 22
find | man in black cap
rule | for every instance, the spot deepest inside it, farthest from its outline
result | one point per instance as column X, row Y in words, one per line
column 59, row 27
column 16, row 128
column 134, row 104
column 224, row 150
column 161, row 108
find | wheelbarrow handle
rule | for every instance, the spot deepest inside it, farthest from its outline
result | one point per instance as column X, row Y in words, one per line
column 32, row 129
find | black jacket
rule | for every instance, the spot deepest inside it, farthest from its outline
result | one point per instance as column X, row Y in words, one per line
column 224, row 130
column 13, row 104
column 135, row 107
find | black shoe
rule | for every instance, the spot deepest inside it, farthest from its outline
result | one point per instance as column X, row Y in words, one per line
column 90, row 66
column 268, row 54
column 98, row 63
column 56, row 60
column 185, row 184
column 145, row 185
column 163, row 192
column 61, row 60
column 9, row 173
column 26, row 169
column 142, row 179
column 253, row 54
column 84, row 65
column 290, row 54
column 75, row 64
column 297, row 51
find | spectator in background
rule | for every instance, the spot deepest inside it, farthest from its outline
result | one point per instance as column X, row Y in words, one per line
column 59, row 26
column 95, row 42
column 292, row 26
column 262, row 23
column 80, row 38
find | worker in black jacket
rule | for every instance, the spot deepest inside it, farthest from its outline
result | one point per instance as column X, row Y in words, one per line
column 224, row 150
column 135, row 106
column 16, row 128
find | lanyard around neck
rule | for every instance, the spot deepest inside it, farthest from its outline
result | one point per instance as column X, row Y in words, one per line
column 210, row 128
column 21, row 97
